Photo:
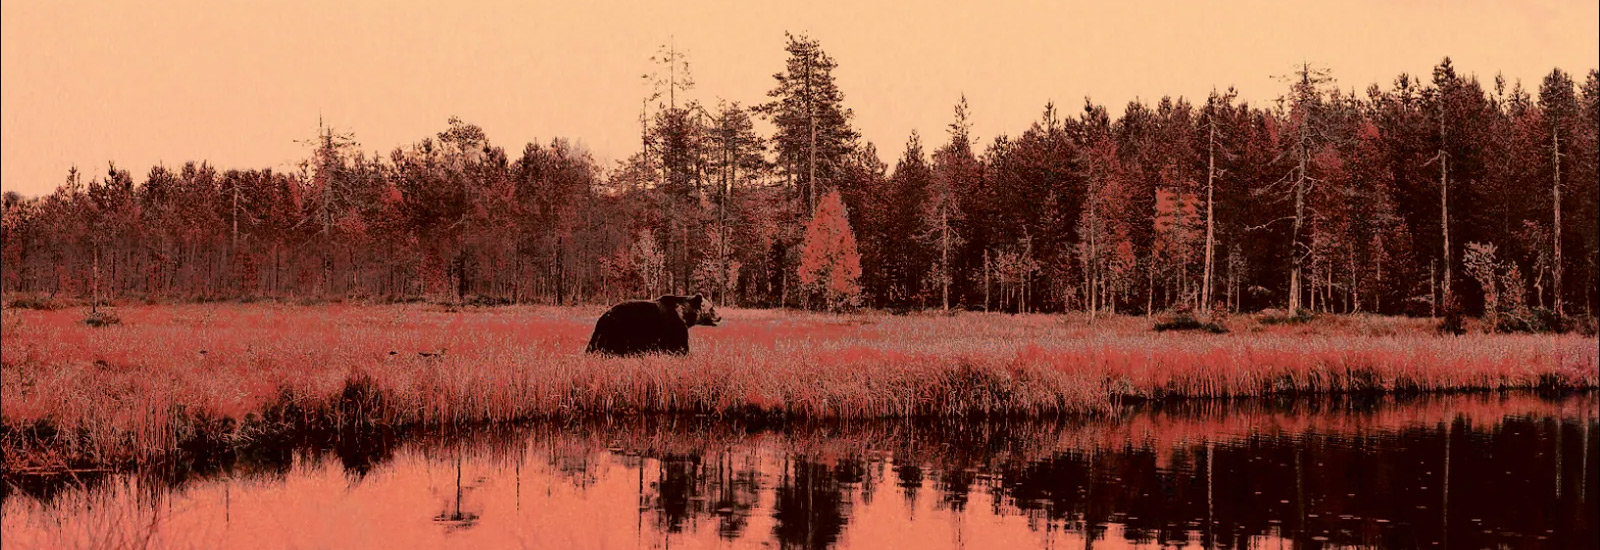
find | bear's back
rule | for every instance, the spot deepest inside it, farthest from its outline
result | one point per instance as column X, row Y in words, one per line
column 636, row 309
column 640, row 326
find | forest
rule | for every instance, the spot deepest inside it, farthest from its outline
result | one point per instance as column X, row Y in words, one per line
column 1425, row 195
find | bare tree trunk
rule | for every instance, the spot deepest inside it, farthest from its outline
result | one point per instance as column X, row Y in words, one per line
column 1352, row 295
column 1211, row 176
column 1377, row 291
column 233, row 247
column 1096, row 279
column 1027, row 273
column 1444, row 211
column 1088, row 289
column 1329, row 290
column 986, row 280
column 1150, row 293
column 561, row 270
column 94, row 306
column 1227, row 284
column 1555, row 193
column 1303, row 151
column 1296, row 258
column 944, row 257
column 1433, row 291
column 722, row 217
column 1315, row 288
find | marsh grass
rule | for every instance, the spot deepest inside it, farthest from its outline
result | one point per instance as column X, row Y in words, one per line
column 194, row 380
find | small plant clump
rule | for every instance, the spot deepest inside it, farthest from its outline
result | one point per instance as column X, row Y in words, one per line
column 1454, row 321
column 1529, row 320
column 34, row 303
column 1280, row 317
column 102, row 319
column 1187, row 322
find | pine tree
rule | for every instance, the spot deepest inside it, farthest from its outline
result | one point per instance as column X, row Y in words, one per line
column 954, row 168
column 908, row 258
column 813, row 127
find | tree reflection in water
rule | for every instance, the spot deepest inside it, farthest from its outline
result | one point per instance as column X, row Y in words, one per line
column 1469, row 471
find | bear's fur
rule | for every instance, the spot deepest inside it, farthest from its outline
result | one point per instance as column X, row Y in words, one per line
column 662, row 326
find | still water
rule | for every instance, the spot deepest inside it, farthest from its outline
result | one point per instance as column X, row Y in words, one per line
column 1466, row 471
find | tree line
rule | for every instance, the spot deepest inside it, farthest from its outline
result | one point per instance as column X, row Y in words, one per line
column 1422, row 196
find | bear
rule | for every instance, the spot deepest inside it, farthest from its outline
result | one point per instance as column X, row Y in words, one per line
column 641, row 326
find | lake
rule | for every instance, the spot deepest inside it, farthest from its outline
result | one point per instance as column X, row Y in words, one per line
column 1461, row 471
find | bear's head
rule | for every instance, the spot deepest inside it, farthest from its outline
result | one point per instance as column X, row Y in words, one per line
column 698, row 310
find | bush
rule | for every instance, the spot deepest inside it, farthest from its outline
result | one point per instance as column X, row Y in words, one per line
column 1585, row 325
column 34, row 302
column 1186, row 322
column 1280, row 317
column 102, row 319
column 486, row 301
column 1454, row 321
column 1532, row 320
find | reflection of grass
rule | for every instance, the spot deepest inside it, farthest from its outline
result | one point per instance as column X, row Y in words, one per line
column 119, row 516
column 951, row 443
column 199, row 378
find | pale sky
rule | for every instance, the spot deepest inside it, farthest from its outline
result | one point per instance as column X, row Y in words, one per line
column 238, row 82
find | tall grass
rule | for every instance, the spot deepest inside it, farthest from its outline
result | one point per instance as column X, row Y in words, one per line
column 196, row 378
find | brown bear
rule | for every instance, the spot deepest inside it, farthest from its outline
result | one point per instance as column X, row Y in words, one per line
column 641, row 326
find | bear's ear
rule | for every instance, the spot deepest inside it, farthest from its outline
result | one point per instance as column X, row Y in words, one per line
column 697, row 299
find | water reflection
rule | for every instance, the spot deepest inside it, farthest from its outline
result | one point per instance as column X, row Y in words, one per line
column 1461, row 471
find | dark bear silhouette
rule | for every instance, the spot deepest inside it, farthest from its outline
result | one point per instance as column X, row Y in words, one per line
column 661, row 326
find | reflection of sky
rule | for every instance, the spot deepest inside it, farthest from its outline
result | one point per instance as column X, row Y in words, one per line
column 1351, row 476
column 395, row 507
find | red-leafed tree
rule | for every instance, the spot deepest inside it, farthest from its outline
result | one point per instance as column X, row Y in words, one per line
column 830, row 265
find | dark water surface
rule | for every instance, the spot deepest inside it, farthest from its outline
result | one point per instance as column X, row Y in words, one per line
column 1468, row 471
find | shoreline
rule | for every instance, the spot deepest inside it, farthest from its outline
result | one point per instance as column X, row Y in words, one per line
column 706, row 429
column 213, row 449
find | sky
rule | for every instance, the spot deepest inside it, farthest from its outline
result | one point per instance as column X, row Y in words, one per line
column 242, row 84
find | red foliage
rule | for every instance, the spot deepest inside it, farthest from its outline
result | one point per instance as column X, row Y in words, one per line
column 830, row 265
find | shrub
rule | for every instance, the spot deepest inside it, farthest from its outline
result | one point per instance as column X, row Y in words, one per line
column 1454, row 321
column 486, row 301
column 1531, row 320
column 34, row 303
column 1279, row 317
column 1186, row 322
column 1585, row 325
column 102, row 319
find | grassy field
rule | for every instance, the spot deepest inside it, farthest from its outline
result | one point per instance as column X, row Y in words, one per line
column 189, row 379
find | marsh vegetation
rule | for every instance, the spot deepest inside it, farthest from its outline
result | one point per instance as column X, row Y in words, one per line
column 188, row 382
